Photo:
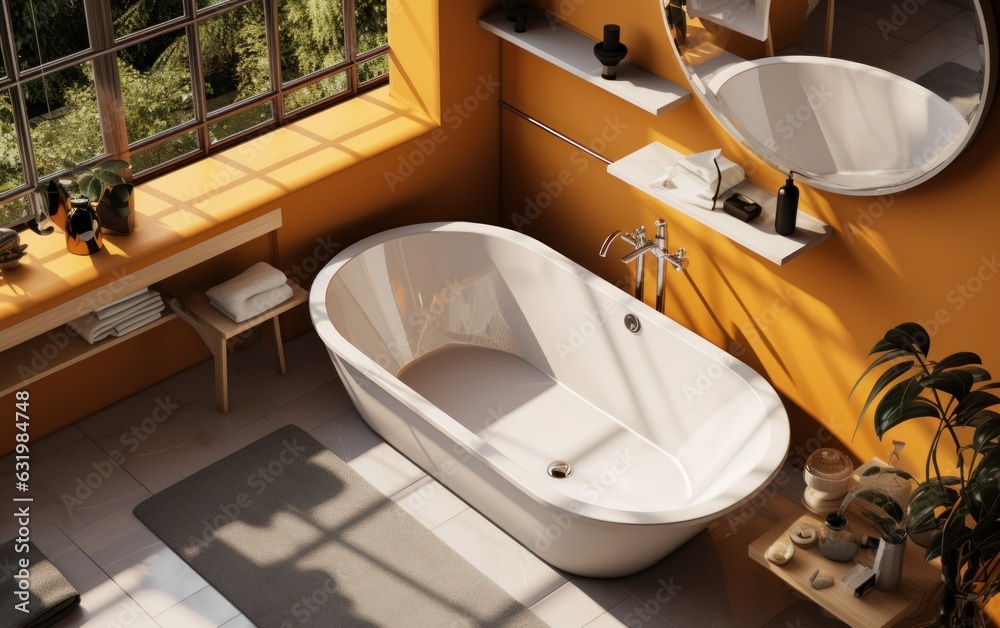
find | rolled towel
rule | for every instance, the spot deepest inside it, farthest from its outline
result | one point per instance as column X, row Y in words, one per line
column 257, row 304
column 50, row 596
column 232, row 295
column 703, row 170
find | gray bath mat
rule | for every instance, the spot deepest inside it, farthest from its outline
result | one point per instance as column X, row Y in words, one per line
column 291, row 535
column 50, row 596
column 959, row 85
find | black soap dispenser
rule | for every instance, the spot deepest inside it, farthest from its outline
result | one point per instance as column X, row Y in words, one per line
column 787, row 207
column 611, row 51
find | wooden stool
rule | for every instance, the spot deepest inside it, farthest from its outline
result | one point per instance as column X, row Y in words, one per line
column 215, row 328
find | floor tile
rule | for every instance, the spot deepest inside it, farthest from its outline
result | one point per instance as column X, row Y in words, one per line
column 429, row 502
column 522, row 574
column 205, row 609
column 194, row 389
column 353, row 441
column 102, row 602
column 973, row 59
column 45, row 447
column 139, row 562
column 78, row 485
column 712, row 581
column 569, row 607
column 632, row 613
column 308, row 366
column 314, row 408
column 934, row 48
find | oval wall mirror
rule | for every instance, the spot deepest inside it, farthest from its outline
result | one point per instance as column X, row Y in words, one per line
column 859, row 97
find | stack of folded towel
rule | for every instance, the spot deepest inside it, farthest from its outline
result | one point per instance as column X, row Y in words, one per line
column 252, row 292
column 41, row 599
column 702, row 178
column 120, row 317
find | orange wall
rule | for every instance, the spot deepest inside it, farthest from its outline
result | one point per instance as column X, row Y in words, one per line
column 457, row 180
column 808, row 325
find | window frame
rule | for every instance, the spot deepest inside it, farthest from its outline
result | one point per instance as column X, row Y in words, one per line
column 103, row 51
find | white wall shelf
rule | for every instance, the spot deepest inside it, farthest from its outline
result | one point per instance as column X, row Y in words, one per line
column 644, row 167
column 574, row 53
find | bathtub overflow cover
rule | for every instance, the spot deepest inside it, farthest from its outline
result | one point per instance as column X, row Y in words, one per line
column 560, row 470
column 632, row 323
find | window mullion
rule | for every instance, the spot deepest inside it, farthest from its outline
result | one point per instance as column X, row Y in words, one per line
column 274, row 57
column 351, row 45
column 23, row 135
column 198, row 84
column 106, row 80
column 7, row 41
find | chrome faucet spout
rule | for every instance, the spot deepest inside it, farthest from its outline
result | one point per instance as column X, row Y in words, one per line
column 608, row 241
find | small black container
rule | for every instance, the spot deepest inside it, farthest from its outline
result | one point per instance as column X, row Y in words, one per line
column 787, row 208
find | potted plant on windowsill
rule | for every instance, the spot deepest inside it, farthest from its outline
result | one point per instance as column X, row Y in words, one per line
column 957, row 513
column 110, row 192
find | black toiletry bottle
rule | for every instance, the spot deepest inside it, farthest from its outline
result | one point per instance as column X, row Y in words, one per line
column 787, row 208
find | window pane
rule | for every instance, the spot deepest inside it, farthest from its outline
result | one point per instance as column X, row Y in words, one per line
column 46, row 30
column 207, row 3
column 239, row 122
column 156, row 85
column 14, row 211
column 314, row 92
column 132, row 16
column 234, row 55
column 373, row 68
column 371, row 24
column 171, row 149
column 11, row 174
column 312, row 36
column 62, row 112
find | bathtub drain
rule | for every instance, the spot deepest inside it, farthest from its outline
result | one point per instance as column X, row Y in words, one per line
column 560, row 470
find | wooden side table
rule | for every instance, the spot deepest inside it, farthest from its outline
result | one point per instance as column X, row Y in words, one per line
column 876, row 608
column 215, row 328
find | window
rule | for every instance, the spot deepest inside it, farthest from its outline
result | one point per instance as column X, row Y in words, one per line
column 163, row 82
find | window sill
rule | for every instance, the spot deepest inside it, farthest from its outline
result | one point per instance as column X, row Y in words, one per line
column 201, row 200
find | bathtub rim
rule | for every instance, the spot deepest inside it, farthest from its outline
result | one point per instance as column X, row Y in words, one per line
column 764, row 471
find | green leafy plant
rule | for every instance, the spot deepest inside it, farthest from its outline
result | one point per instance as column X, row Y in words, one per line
column 892, row 526
column 90, row 182
column 956, row 516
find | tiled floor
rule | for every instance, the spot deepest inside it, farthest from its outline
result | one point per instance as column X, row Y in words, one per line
column 128, row 577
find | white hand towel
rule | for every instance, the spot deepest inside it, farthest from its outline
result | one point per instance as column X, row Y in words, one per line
column 258, row 279
column 93, row 329
column 126, row 297
column 256, row 304
column 701, row 167
column 111, row 311
column 134, row 324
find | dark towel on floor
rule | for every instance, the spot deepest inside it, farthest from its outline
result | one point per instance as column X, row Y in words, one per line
column 51, row 596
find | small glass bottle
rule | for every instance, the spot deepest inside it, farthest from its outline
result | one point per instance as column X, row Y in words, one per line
column 836, row 539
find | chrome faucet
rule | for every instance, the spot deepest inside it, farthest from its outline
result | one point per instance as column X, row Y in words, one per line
column 638, row 240
column 658, row 248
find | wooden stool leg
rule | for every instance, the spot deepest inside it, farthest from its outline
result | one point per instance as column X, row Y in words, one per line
column 221, row 375
column 279, row 351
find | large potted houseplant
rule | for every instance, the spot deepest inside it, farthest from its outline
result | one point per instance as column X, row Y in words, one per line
column 956, row 510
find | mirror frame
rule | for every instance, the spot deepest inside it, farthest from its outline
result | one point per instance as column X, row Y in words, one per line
column 989, row 28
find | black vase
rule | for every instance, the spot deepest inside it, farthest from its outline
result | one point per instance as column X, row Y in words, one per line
column 116, row 199
column 83, row 229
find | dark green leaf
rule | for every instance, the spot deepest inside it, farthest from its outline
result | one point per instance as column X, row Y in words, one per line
column 109, row 177
column 882, row 359
column 963, row 358
column 955, row 383
column 901, row 404
column 986, row 430
column 951, row 537
column 878, row 499
column 891, row 470
column 910, row 337
column 926, row 499
column 982, row 491
column 890, row 375
column 978, row 374
column 880, row 346
column 91, row 187
column 113, row 165
column 974, row 403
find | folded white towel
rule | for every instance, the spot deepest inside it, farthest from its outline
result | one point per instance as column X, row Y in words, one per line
column 111, row 311
column 706, row 175
column 256, row 304
column 134, row 324
column 93, row 329
column 125, row 298
column 258, row 279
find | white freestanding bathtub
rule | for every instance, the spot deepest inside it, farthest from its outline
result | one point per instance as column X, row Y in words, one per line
column 484, row 356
